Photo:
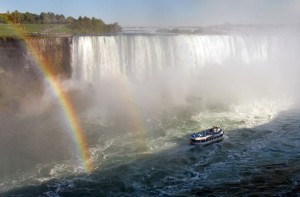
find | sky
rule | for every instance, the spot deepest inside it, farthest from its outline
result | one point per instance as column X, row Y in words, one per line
column 167, row 12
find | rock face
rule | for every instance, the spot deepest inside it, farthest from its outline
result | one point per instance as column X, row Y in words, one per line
column 21, row 55
column 23, row 64
column 12, row 55
column 53, row 53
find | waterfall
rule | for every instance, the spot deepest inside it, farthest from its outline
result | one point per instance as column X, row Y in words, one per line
column 139, row 56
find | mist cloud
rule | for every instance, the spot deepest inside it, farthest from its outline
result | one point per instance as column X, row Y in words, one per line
column 214, row 12
column 248, row 12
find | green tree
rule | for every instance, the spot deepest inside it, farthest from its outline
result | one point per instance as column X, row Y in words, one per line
column 70, row 20
column 29, row 18
column 60, row 19
column 15, row 17
column 3, row 18
column 44, row 18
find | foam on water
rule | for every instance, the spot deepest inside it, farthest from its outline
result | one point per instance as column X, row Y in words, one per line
column 245, row 115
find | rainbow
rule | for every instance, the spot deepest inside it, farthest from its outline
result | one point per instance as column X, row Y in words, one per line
column 64, row 100
column 137, row 123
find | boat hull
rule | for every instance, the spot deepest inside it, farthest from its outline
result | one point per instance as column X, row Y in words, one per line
column 207, row 137
column 198, row 142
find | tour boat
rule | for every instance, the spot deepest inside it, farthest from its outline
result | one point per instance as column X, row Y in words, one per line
column 214, row 134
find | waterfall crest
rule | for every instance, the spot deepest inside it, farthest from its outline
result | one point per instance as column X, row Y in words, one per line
column 140, row 56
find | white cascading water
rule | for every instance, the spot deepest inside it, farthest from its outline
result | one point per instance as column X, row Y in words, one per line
column 139, row 56
column 216, row 68
column 242, row 70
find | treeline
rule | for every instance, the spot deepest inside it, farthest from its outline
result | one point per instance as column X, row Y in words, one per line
column 89, row 26
column 30, row 18
column 80, row 25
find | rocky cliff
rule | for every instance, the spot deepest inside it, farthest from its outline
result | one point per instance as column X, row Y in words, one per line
column 20, row 66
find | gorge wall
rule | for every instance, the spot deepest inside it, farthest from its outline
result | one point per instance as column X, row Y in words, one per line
column 17, row 54
column 20, row 67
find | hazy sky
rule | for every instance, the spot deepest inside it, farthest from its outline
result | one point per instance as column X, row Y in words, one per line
column 167, row 12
